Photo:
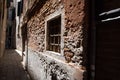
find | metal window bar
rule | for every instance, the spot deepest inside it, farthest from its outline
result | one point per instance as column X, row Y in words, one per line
column 110, row 15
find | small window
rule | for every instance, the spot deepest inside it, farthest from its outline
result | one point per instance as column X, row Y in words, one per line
column 54, row 35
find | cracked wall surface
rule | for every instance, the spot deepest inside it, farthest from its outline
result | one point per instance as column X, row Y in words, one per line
column 66, row 66
column 46, row 67
column 74, row 18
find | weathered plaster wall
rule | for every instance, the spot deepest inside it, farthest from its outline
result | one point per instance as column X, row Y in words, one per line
column 46, row 67
column 36, row 26
column 18, row 29
column 18, row 35
column 74, row 18
column 50, row 67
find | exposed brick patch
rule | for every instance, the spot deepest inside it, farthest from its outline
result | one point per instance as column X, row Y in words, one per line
column 74, row 19
column 73, row 35
column 36, row 25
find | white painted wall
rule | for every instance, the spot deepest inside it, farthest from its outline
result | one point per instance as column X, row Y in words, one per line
column 40, row 66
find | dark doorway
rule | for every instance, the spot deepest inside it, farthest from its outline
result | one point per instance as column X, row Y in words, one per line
column 107, row 50
column 11, row 29
column 107, row 53
column 10, row 37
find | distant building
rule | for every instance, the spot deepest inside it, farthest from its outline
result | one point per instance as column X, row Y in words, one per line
column 11, row 27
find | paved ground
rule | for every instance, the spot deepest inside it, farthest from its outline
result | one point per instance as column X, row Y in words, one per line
column 11, row 67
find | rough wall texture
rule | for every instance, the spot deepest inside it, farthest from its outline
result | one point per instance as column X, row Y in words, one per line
column 45, row 67
column 74, row 17
column 73, row 42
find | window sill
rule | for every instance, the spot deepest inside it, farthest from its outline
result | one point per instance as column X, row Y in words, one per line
column 55, row 55
column 60, row 58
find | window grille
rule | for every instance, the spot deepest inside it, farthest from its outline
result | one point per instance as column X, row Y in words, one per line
column 54, row 35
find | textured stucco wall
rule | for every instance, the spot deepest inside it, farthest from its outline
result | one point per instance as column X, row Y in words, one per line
column 74, row 19
column 36, row 25
column 46, row 66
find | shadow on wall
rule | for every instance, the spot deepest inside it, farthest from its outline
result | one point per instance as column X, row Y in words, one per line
column 54, row 76
column 86, row 34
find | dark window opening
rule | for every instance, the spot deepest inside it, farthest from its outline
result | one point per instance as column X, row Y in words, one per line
column 54, row 34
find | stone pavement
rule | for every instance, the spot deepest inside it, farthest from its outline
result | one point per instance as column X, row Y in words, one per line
column 11, row 67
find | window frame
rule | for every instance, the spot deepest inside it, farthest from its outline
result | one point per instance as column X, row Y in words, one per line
column 56, row 14
column 54, row 34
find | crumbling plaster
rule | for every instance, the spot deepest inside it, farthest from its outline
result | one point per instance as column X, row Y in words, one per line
column 72, row 24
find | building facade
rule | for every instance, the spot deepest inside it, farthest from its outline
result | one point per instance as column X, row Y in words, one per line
column 51, row 38
column 63, row 39
column 3, row 21
column 11, row 27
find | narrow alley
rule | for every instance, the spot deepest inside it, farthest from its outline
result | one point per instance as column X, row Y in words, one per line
column 59, row 39
column 11, row 67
